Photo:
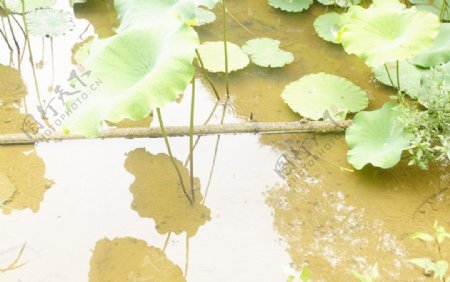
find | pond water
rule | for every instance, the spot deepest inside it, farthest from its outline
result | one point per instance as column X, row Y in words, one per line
column 112, row 210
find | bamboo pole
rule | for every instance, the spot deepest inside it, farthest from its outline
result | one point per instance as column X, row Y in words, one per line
column 180, row 131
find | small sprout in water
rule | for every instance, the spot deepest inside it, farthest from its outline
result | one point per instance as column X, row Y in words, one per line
column 370, row 276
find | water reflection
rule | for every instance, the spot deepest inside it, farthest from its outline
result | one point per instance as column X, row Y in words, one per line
column 157, row 193
column 19, row 166
column 130, row 259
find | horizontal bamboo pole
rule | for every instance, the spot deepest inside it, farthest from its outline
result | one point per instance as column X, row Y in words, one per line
column 179, row 131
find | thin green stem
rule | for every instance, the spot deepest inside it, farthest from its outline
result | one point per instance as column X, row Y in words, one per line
column 205, row 74
column 225, row 36
column 443, row 10
column 13, row 35
column 389, row 76
column 397, row 70
column 169, row 150
column 191, row 141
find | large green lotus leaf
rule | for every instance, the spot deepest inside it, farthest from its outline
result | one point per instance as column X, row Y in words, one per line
column 436, row 8
column 327, row 26
column 291, row 5
column 140, row 69
column 213, row 56
column 340, row 3
column 410, row 76
column 313, row 95
column 376, row 137
column 387, row 32
column 137, row 13
column 49, row 22
column 266, row 52
column 439, row 52
column 15, row 6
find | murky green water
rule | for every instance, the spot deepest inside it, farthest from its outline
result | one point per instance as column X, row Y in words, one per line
column 102, row 210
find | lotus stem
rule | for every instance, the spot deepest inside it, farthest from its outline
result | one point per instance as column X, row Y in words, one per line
column 8, row 19
column 225, row 38
column 317, row 127
column 191, row 140
column 205, row 74
column 443, row 10
column 25, row 38
column 389, row 76
column 169, row 150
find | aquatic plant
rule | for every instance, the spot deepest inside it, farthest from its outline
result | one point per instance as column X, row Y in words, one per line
column 213, row 56
column 339, row 3
column 438, row 53
column 49, row 22
column 15, row 6
column 377, row 137
column 386, row 32
column 291, row 5
column 327, row 26
column 316, row 95
column 370, row 276
column 266, row 52
column 437, row 268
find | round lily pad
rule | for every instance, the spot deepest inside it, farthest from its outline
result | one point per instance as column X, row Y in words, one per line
column 387, row 32
column 376, row 137
column 265, row 52
column 213, row 56
column 291, row 5
column 49, row 22
column 316, row 95
column 327, row 26
column 340, row 3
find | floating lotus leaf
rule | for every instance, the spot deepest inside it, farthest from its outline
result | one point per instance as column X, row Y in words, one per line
column 376, row 137
column 340, row 3
column 327, row 26
column 203, row 17
column 137, row 13
column 49, row 22
column 387, row 32
column 213, row 56
column 291, row 5
column 157, row 193
column 15, row 6
column 410, row 76
column 313, row 95
column 265, row 52
column 140, row 69
column 439, row 52
column 436, row 8
column 130, row 259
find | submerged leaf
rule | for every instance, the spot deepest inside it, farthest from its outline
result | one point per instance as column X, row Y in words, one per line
column 410, row 77
column 376, row 137
column 387, row 32
column 265, row 52
column 157, row 193
column 140, row 69
column 49, row 22
column 130, row 259
column 15, row 6
column 314, row 95
column 422, row 236
column 213, row 56
column 291, row 5
column 439, row 52
column 327, row 26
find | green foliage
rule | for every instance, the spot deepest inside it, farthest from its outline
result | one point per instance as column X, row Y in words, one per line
column 315, row 95
column 213, row 56
column 370, row 276
column 436, row 268
column 386, row 32
column 430, row 128
column 294, row 276
column 376, row 137
column 291, row 5
column 327, row 26
column 440, row 8
column 439, row 52
column 339, row 3
column 266, row 52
